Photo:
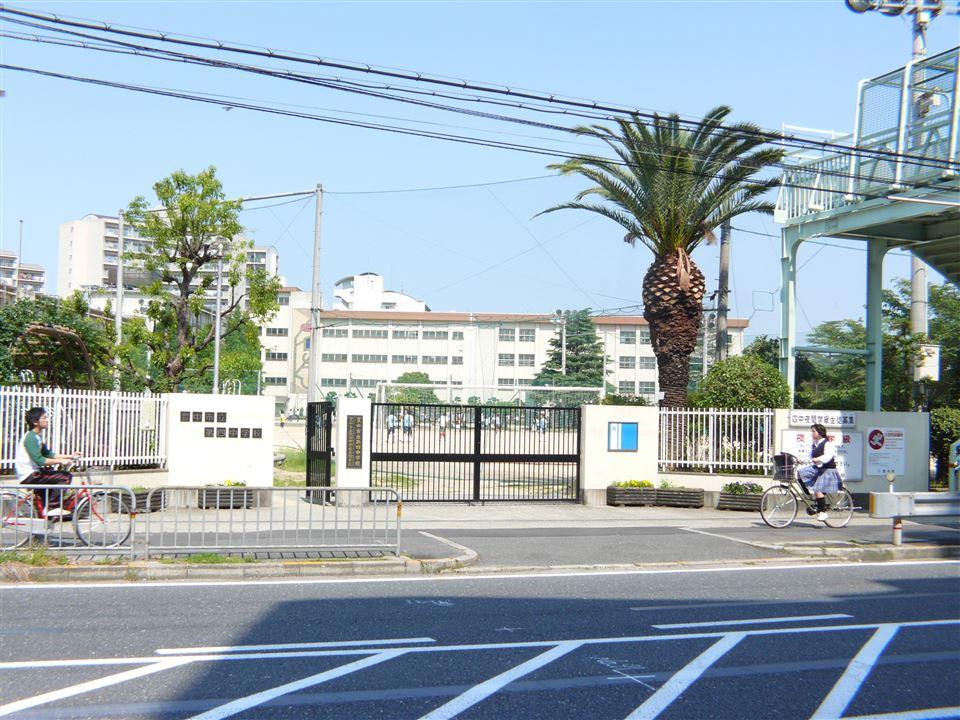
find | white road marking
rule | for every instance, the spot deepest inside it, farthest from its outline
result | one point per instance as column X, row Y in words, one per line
column 245, row 703
column 32, row 664
column 497, row 577
column 487, row 688
column 756, row 621
column 930, row 714
column 765, row 546
column 54, row 695
column 681, row 680
column 290, row 646
column 849, row 683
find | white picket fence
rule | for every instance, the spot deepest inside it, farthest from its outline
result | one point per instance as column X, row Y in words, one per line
column 708, row 440
column 108, row 428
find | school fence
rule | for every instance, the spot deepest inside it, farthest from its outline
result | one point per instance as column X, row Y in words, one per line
column 714, row 439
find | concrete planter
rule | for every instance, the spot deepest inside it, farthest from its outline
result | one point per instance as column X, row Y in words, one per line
column 157, row 502
column 621, row 496
column 680, row 497
column 224, row 498
column 733, row 501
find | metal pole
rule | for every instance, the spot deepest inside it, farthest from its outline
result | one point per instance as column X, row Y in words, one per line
column 723, row 292
column 216, row 321
column 918, row 270
column 16, row 279
column 316, row 299
column 563, row 345
column 118, row 310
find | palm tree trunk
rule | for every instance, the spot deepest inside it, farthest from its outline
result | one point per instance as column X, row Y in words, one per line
column 673, row 305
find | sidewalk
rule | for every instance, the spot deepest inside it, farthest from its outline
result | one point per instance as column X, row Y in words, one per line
column 551, row 537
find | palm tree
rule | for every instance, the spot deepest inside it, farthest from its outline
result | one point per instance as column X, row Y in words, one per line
column 671, row 184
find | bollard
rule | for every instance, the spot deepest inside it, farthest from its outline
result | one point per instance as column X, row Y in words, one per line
column 897, row 521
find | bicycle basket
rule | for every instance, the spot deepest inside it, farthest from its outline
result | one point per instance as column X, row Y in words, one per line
column 784, row 466
column 99, row 475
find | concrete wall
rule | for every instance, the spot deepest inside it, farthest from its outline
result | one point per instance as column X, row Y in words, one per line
column 196, row 459
column 601, row 466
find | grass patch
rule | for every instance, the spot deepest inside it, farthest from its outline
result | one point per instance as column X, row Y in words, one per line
column 210, row 558
column 36, row 556
column 296, row 459
column 109, row 561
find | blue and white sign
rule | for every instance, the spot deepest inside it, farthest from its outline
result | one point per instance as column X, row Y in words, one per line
column 622, row 437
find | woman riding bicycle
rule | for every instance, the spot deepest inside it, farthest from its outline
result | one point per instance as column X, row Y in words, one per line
column 821, row 475
column 34, row 460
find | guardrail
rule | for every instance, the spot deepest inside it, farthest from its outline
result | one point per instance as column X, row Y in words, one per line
column 897, row 505
column 235, row 519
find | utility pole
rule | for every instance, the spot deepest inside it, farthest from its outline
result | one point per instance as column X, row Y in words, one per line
column 118, row 310
column 918, row 270
column 316, row 298
column 16, row 279
column 722, row 293
column 216, row 320
column 561, row 320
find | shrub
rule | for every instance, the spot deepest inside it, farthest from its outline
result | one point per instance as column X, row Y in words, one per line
column 234, row 483
column 744, row 381
column 944, row 430
column 615, row 399
column 742, row 488
column 633, row 484
column 667, row 485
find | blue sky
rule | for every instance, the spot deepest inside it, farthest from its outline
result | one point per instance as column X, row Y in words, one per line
column 68, row 149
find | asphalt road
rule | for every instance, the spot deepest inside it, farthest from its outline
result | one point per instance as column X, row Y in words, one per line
column 814, row 641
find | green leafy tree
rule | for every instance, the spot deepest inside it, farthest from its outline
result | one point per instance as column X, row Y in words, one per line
column 240, row 354
column 768, row 349
column 415, row 396
column 71, row 313
column 195, row 228
column 669, row 186
column 944, row 431
column 743, row 381
column 945, row 330
column 585, row 361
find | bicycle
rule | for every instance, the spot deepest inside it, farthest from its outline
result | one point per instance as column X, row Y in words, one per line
column 780, row 503
column 100, row 518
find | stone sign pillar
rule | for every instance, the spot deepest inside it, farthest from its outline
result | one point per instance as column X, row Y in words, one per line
column 352, row 447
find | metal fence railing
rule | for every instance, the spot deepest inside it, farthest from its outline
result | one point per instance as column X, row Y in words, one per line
column 237, row 519
column 711, row 440
column 118, row 429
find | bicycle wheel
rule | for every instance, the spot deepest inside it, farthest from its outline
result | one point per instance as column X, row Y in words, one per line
column 101, row 519
column 778, row 506
column 16, row 518
column 839, row 509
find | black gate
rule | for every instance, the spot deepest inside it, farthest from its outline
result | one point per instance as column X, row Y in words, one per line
column 319, row 446
column 451, row 453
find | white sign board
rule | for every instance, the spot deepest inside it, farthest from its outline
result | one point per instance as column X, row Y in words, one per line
column 886, row 451
column 849, row 450
column 827, row 418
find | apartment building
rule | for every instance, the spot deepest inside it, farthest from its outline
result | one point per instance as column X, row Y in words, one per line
column 286, row 341
column 28, row 279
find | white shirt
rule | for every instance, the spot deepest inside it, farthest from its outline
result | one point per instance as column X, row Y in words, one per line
column 829, row 453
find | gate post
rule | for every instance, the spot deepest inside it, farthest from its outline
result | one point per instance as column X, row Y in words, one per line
column 477, row 448
column 352, row 446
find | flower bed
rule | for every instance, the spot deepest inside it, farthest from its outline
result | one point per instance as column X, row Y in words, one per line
column 740, row 496
column 224, row 498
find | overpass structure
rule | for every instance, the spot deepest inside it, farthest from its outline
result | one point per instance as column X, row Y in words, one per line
column 893, row 183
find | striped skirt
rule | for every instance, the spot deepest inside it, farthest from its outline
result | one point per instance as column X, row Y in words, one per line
column 827, row 482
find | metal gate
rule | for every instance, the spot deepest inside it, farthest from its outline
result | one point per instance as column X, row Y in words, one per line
column 456, row 453
column 319, row 447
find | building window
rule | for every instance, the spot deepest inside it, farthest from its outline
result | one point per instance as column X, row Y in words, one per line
column 528, row 335
column 506, row 382
column 627, row 362
column 456, row 360
column 334, row 332
column 274, row 380
column 626, row 387
column 388, row 306
column 646, row 388
column 506, row 335
column 645, row 336
column 435, row 334
column 729, row 340
column 434, row 359
column 505, row 360
column 333, row 357
column 405, row 334
column 525, row 381
column 283, row 299
column 271, row 355
column 458, row 334
column 366, row 383
column 404, row 359
column 277, row 332
column 628, row 337
column 647, row 363
column 526, row 360
column 364, row 358
column 333, row 382
column 368, row 333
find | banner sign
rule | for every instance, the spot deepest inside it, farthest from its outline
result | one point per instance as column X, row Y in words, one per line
column 886, row 451
column 827, row 418
column 849, row 450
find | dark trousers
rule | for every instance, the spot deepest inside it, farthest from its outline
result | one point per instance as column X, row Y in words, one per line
column 49, row 476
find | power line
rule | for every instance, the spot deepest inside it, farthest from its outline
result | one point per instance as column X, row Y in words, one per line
column 772, row 137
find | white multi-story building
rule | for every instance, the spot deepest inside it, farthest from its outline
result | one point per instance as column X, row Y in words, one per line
column 28, row 279
column 285, row 339
column 366, row 292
